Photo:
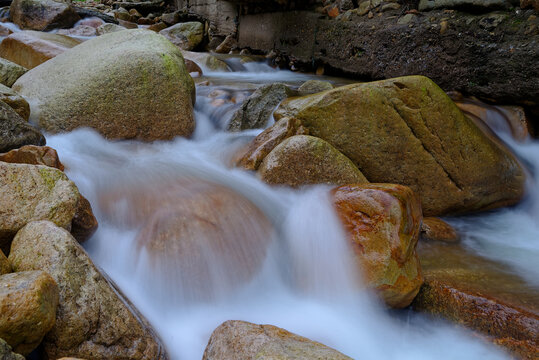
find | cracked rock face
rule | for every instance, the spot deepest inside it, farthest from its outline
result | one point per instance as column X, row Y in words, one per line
column 93, row 320
column 408, row 131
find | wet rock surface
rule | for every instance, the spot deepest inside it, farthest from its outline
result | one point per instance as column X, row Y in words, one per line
column 10, row 72
column 32, row 48
column 479, row 294
column 42, row 15
column 93, row 321
column 6, row 352
column 383, row 223
column 15, row 101
column 244, row 340
column 33, row 155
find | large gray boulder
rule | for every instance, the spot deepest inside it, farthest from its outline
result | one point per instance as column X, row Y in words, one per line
column 126, row 84
column 93, row 321
column 15, row 131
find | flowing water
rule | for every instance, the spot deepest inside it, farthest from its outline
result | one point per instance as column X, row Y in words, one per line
column 305, row 282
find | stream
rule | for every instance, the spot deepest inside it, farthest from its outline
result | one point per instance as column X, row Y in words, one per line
column 306, row 283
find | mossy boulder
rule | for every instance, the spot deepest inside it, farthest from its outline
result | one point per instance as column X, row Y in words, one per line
column 34, row 192
column 6, row 352
column 93, row 320
column 32, row 48
column 244, row 340
column 303, row 160
column 383, row 222
column 186, row 36
column 42, row 15
column 28, row 301
column 126, row 84
column 408, row 131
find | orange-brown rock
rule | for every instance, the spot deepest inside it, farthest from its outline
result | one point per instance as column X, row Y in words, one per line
column 408, row 131
column 480, row 294
column 84, row 223
column 252, row 155
column 303, row 160
column 510, row 119
column 383, row 223
column 34, row 155
column 210, row 237
column 244, row 340
column 32, row 48
column 192, row 67
column 438, row 230
column 28, row 301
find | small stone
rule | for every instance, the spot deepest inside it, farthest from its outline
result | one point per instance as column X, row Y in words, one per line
column 84, row 223
column 228, row 44
column 390, row 6
column 443, row 27
column 364, row 8
column 33, row 155
column 108, row 28
column 170, row 18
column 313, row 87
column 406, row 19
column 370, row 15
column 435, row 229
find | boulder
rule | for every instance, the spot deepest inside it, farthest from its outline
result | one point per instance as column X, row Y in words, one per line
column 228, row 44
column 244, row 340
column 109, row 28
column 32, row 48
column 407, row 131
column 205, row 61
column 84, row 223
column 15, row 132
column 34, row 192
column 34, row 155
column 435, row 229
column 129, row 69
column 5, row 266
column 7, row 354
column 313, row 87
column 186, row 36
column 256, row 111
column 10, row 72
column 15, row 101
column 252, row 155
column 28, row 301
column 383, row 222
column 80, row 30
column 303, row 160
column 93, row 320
column 480, row 294
column 42, row 15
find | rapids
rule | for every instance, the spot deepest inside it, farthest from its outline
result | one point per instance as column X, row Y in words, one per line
column 327, row 305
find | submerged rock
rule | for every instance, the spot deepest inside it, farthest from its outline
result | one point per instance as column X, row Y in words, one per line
column 32, row 48
column 34, row 192
column 186, row 36
column 15, row 101
column 15, row 132
column 7, row 354
column 383, row 223
column 10, row 72
column 28, row 301
column 255, row 112
column 408, row 131
column 244, row 340
column 480, row 294
column 303, row 160
column 93, row 321
column 129, row 69
column 42, row 15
